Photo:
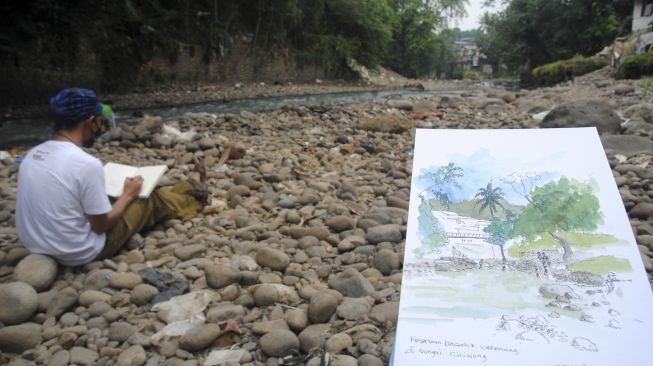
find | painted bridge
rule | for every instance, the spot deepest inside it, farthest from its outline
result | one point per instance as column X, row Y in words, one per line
column 468, row 235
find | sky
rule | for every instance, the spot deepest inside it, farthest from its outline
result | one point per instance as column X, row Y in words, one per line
column 474, row 11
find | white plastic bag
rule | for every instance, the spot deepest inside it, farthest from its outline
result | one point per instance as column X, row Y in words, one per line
column 179, row 136
column 182, row 313
column 541, row 116
column 217, row 358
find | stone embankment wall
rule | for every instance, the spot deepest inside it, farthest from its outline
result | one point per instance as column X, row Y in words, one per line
column 241, row 64
column 32, row 78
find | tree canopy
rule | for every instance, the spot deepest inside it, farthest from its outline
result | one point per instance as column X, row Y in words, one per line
column 420, row 46
column 530, row 33
column 555, row 207
column 407, row 35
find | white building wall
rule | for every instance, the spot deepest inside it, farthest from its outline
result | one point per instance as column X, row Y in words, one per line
column 640, row 22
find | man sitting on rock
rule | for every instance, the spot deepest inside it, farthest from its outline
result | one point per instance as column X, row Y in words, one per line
column 62, row 209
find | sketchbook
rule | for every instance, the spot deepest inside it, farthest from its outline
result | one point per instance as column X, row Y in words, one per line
column 115, row 175
column 519, row 252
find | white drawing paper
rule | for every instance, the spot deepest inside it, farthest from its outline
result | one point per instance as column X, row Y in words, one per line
column 115, row 175
column 519, row 252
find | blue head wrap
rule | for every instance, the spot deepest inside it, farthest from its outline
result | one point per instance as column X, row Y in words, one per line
column 73, row 105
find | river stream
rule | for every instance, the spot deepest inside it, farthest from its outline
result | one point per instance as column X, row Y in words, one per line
column 23, row 132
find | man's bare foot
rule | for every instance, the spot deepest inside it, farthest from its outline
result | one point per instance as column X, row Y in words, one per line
column 233, row 150
column 238, row 150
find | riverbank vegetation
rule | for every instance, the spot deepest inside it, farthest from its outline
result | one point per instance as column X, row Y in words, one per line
column 636, row 66
column 531, row 33
column 406, row 35
column 564, row 70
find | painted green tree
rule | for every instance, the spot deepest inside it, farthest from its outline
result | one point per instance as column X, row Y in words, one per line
column 443, row 180
column 558, row 207
column 431, row 233
column 489, row 197
column 500, row 231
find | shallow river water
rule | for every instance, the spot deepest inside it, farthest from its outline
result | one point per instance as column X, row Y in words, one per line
column 31, row 131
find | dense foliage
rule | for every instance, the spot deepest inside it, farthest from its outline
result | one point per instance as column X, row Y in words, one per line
column 458, row 33
column 636, row 66
column 559, row 71
column 530, row 33
column 125, row 34
column 420, row 46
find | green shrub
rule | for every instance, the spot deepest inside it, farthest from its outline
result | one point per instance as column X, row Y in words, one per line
column 560, row 71
column 387, row 123
column 636, row 66
column 456, row 74
column 471, row 75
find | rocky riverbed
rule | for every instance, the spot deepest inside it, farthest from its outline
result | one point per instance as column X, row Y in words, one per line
column 183, row 95
column 299, row 254
column 169, row 96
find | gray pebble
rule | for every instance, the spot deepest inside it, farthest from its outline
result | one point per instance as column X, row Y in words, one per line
column 199, row 337
column 279, row 343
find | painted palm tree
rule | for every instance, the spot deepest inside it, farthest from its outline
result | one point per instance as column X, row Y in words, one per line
column 489, row 197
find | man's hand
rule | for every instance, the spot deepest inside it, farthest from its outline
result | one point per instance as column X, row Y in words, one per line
column 133, row 187
column 102, row 223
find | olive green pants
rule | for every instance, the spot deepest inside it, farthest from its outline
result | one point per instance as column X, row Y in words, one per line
column 173, row 202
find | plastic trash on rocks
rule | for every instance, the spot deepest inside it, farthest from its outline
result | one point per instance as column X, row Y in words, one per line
column 179, row 136
column 221, row 357
column 182, row 313
column 169, row 286
column 541, row 116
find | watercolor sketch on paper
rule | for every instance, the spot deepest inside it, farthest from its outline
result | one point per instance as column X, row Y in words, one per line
column 532, row 249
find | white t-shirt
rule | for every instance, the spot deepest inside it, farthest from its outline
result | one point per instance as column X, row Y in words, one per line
column 58, row 185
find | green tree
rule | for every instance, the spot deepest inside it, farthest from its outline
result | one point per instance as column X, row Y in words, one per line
column 489, row 197
column 420, row 46
column 530, row 33
column 431, row 233
column 558, row 207
column 367, row 24
column 458, row 33
column 124, row 36
column 500, row 231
